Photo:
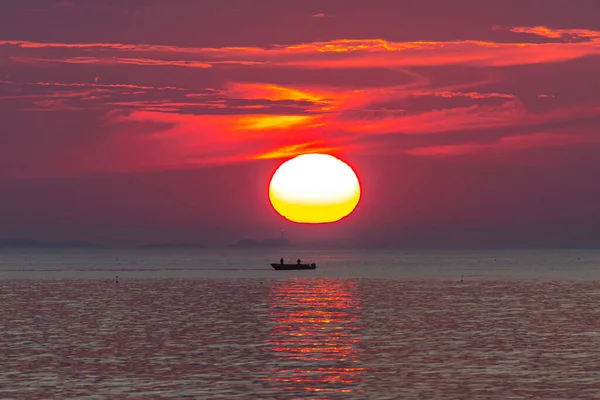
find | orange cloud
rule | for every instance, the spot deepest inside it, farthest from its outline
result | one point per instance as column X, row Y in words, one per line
column 263, row 136
column 194, row 140
column 317, row 146
column 342, row 53
column 340, row 118
column 264, row 120
column 323, row 98
column 271, row 92
column 271, row 122
column 567, row 34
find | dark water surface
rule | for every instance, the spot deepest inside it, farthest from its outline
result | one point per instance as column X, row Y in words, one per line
column 523, row 332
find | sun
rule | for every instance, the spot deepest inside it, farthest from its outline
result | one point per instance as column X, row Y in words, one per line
column 314, row 188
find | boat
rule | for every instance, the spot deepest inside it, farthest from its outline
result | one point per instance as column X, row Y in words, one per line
column 287, row 267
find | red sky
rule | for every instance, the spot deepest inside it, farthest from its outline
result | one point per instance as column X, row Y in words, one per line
column 470, row 123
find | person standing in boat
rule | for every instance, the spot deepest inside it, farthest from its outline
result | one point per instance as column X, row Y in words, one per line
column 281, row 261
column 299, row 262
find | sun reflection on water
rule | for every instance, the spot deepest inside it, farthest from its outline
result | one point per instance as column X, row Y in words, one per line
column 315, row 335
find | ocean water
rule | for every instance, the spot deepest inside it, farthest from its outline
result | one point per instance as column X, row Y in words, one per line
column 218, row 324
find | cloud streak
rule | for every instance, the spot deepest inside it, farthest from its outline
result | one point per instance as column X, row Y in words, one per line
column 244, row 109
column 509, row 143
column 568, row 35
column 342, row 53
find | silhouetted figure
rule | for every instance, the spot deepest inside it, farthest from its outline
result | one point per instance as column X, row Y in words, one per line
column 281, row 261
column 116, row 279
column 299, row 262
column 461, row 278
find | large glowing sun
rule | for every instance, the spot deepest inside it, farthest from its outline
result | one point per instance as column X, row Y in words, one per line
column 314, row 188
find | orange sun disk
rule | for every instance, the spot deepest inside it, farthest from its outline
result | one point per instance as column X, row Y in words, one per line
column 314, row 188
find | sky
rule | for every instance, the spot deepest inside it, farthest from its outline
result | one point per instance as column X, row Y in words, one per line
column 470, row 124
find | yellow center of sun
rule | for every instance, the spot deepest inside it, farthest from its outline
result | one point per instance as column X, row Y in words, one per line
column 314, row 188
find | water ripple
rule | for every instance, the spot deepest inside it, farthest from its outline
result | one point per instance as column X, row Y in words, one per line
column 299, row 338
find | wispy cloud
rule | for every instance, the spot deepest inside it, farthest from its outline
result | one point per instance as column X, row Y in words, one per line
column 90, row 85
column 473, row 95
column 519, row 142
column 270, row 106
column 264, row 136
column 114, row 61
column 342, row 53
column 565, row 34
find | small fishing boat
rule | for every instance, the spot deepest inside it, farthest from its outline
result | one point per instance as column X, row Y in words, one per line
column 286, row 267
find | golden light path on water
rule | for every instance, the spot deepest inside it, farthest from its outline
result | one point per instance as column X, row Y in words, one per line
column 315, row 335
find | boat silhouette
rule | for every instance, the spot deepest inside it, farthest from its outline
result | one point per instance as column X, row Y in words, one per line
column 280, row 266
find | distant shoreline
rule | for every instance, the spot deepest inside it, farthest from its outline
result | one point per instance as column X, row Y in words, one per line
column 267, row 244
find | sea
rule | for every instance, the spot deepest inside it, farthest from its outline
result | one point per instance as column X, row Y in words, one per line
column 222, row 324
